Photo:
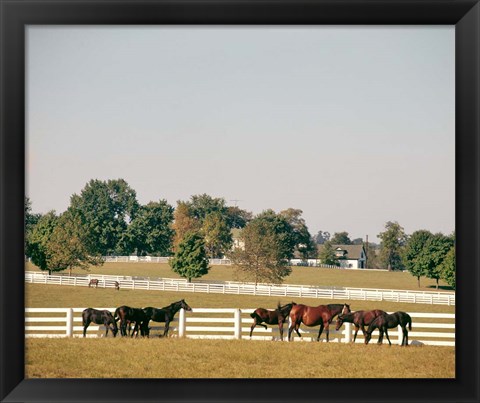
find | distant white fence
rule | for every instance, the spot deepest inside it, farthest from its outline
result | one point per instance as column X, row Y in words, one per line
column 231, row 323
column 230, row 287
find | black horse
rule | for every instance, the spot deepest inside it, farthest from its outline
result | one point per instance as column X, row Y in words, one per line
column 271, row 317
column 165, row 314
column 128, row 315
column 360, row 319
column 98, row 317
column 384, row 322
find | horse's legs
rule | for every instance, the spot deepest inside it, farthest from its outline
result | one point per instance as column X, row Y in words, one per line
column 253, row 326
column 320, row 331
column 123, row 328
column 388, row 338
column 327, row 330
column 405, row 336
column 297, row 326
column 357, row 328
column 380, row 336
column 167, row 326
column 85, row 325
column 280, row 328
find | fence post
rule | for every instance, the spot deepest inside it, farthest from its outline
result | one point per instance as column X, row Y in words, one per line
column 181, row 323
column 237, row 317
column 348, row 332
column 69, row 322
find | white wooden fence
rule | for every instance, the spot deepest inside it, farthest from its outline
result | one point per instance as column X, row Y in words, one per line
column 233, row 323
column 230, row 287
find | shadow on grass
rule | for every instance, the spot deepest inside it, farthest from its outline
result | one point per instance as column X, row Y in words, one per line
column 442, row 287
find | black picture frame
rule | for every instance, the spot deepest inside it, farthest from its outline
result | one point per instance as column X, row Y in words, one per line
column 464, row 14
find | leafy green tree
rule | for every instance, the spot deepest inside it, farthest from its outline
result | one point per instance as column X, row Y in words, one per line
column 284, row 232
column 190, row 260
column 341, row 238
column 183, row 222
column 203, row 205
column 447, row 268
column 238, row 218
column 68, row 246
column 413, row 252
column 217, row 235
column 433, row 255
column 321, row 237
column 392, row 241
column 30, row 221
column 304, row 244
column 262, row 258
column 372, row 258
column 105, row 209
column 38, row 240
column 327, row 255
column 150, row 232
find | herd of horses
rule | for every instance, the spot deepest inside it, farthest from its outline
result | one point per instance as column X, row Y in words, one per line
column 294, row 314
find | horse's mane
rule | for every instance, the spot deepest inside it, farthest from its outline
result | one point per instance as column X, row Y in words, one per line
column 171, row 305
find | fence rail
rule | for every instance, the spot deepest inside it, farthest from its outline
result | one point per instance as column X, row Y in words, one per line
column 230, row 287
column 233, row 323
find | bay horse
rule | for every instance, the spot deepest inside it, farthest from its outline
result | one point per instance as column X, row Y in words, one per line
column 271, row 317
column 384, row 322
column 313, row 316
column 93, row 282
column 360, row 319
column 98, row 317
column 165, row 314
column 128, row 315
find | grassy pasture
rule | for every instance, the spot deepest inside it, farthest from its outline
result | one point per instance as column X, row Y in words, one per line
column 299, row 275
column 59, row 358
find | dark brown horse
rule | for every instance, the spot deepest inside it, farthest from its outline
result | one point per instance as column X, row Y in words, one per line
column 164, row 314
column 116, row 285
column 128, row 315
column 384, row 322
column 360, row 319
column 313, row 316
column 98, row 317
column 93, row 282
column 271, row 317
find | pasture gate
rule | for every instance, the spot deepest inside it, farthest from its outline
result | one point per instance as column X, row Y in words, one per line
column 232, row 323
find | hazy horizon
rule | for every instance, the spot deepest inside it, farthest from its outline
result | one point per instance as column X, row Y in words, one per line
column 355, row 126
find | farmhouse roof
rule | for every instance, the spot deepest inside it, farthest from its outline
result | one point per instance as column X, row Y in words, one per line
column 354, row 252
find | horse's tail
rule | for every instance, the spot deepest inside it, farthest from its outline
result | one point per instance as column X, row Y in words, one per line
column 409, row 323
column 115, row 316
column 254, row 315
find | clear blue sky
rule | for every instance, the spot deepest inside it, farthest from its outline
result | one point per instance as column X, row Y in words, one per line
column 353, row 125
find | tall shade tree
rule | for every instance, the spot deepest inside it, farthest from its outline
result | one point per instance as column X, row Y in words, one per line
column 341, row 238
column 38, row 240
column 321, row 237
column 433, row 255
column 413, row 252
column 238, row 218
column 304, row 244
column 327, row 255
column 105, row 209
column 217, row 235
column 448, row 268
column 69, row 245
column 203, row 205
column 183, row 222
column 30, row 221
column 262, row 256
column 392, row 241
column 284, row 232
column 151, row 232
column 190, row 260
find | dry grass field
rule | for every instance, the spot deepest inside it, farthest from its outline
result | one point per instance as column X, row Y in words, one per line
column 186, row 358
column 189, row 358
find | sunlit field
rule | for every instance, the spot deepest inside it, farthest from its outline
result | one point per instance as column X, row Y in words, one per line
column 188, row 358
column 299, row 275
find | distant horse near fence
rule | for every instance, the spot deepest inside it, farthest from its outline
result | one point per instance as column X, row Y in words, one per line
column 313, row 316
column 384, row 322
column 93, row 282
column 271, row 317
column 117, row 285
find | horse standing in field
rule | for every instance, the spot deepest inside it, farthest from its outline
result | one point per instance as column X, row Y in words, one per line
column 313, row 316
column 116, row 285
column 98, row 317
column 93, row 282
column 271, row 317
column 165, row 314
column 360, row 319
column 384, row 322
column 128, row 315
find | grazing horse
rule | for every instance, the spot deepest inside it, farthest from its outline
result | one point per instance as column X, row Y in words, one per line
column 116, row 285
column 384, row 322
column 94, row 282
column 128, row 315
column 360, row 319
column 164, row 314
column 98, row 317
column 271, row 317
column 313, row 316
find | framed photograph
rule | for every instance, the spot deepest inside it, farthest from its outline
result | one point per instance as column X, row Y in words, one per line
column 255, row 81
